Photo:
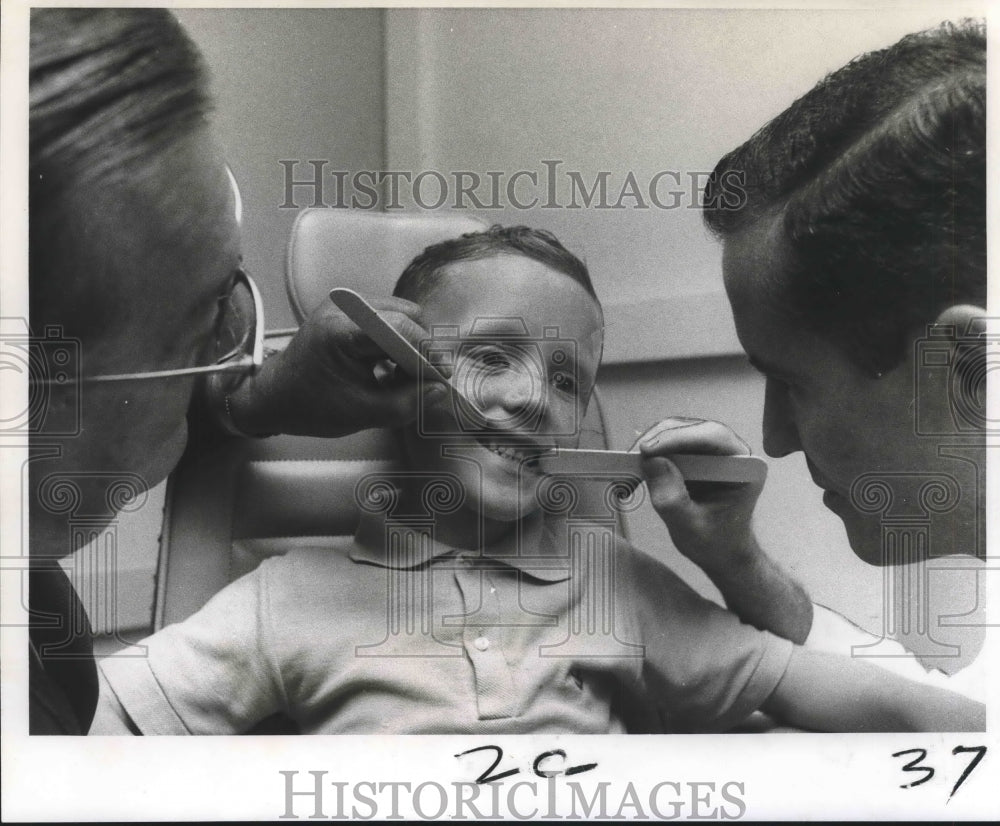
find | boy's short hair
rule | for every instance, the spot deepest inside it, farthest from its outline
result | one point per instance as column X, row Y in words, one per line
column 420, row 276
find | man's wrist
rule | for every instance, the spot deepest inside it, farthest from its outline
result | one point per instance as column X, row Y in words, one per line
column 732, row 559
column 240, row 411
column 240, row 408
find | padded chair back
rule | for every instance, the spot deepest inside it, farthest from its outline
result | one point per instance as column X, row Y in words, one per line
column 366, row 251
column 228, row 508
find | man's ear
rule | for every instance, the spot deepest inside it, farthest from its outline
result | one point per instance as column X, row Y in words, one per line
column 967, row 320
column 961, row 329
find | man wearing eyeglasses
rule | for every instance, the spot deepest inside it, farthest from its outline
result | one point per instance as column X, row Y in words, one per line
column 136, row 281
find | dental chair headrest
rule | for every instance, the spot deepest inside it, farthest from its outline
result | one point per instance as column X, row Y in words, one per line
column 366, row 251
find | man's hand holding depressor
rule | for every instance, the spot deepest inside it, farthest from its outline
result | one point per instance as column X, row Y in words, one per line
column 709, row 522
column 325, row 383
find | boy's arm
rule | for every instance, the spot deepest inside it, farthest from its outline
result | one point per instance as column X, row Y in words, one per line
column 110, row 716
column 210, row 674
column 827, row 692
column 711, row 525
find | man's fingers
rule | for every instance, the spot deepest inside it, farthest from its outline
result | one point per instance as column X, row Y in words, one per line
column 702, row 436
column 665, row 483
column 399, row 403
column 355, row 343
column 402, row 315
column 674, row 422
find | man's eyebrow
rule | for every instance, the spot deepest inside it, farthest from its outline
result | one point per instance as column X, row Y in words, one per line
column 765, row 367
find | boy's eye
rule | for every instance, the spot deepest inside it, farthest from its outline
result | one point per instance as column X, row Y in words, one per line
column 491, row 359
column 496, row 360
column 563, row 382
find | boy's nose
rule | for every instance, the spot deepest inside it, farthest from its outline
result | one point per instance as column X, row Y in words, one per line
column 510, row 393
column 513, row 391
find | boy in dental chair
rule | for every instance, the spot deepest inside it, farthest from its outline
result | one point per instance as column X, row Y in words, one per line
column 475, row 598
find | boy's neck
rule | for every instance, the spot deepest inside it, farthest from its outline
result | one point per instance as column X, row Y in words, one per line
column 463, row 528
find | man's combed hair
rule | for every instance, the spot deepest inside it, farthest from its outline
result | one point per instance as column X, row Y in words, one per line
column 878, row 177
column 421, row 276
column 110, row 92
column 107, row 85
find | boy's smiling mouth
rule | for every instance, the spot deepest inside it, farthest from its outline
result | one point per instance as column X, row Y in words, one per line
column 516, row 450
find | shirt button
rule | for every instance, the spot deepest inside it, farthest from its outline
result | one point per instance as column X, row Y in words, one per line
column 481, row 643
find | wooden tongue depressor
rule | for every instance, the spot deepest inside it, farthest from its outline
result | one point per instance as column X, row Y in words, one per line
column 410, row 360
column 694, row 467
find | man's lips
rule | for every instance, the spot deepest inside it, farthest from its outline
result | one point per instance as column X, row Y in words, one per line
column 820, row 481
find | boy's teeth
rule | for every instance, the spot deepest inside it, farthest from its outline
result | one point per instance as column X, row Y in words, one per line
column 501, row 450
column 509, row 453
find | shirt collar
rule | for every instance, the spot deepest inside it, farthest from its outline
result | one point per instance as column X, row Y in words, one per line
column 538, row 546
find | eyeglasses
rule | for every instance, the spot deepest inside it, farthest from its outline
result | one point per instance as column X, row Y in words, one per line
column 237, row 344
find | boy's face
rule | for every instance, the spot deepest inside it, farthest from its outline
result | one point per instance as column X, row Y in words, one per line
column 525, row 344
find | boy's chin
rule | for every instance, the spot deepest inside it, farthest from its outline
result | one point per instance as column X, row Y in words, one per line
column 506, row 506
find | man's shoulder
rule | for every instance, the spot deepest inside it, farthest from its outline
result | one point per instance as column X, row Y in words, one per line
column 50, row 710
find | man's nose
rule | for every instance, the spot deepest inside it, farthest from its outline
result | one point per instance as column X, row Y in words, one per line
column 781, row 436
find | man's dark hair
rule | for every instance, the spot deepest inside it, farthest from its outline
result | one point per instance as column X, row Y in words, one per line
column 878, row 177
column 421, row 275
column 111, row 91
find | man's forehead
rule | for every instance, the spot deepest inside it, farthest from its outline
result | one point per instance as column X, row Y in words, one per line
column 758, row 251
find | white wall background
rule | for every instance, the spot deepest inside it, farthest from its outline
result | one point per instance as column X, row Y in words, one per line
column 616, row 90
column 290, row 84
